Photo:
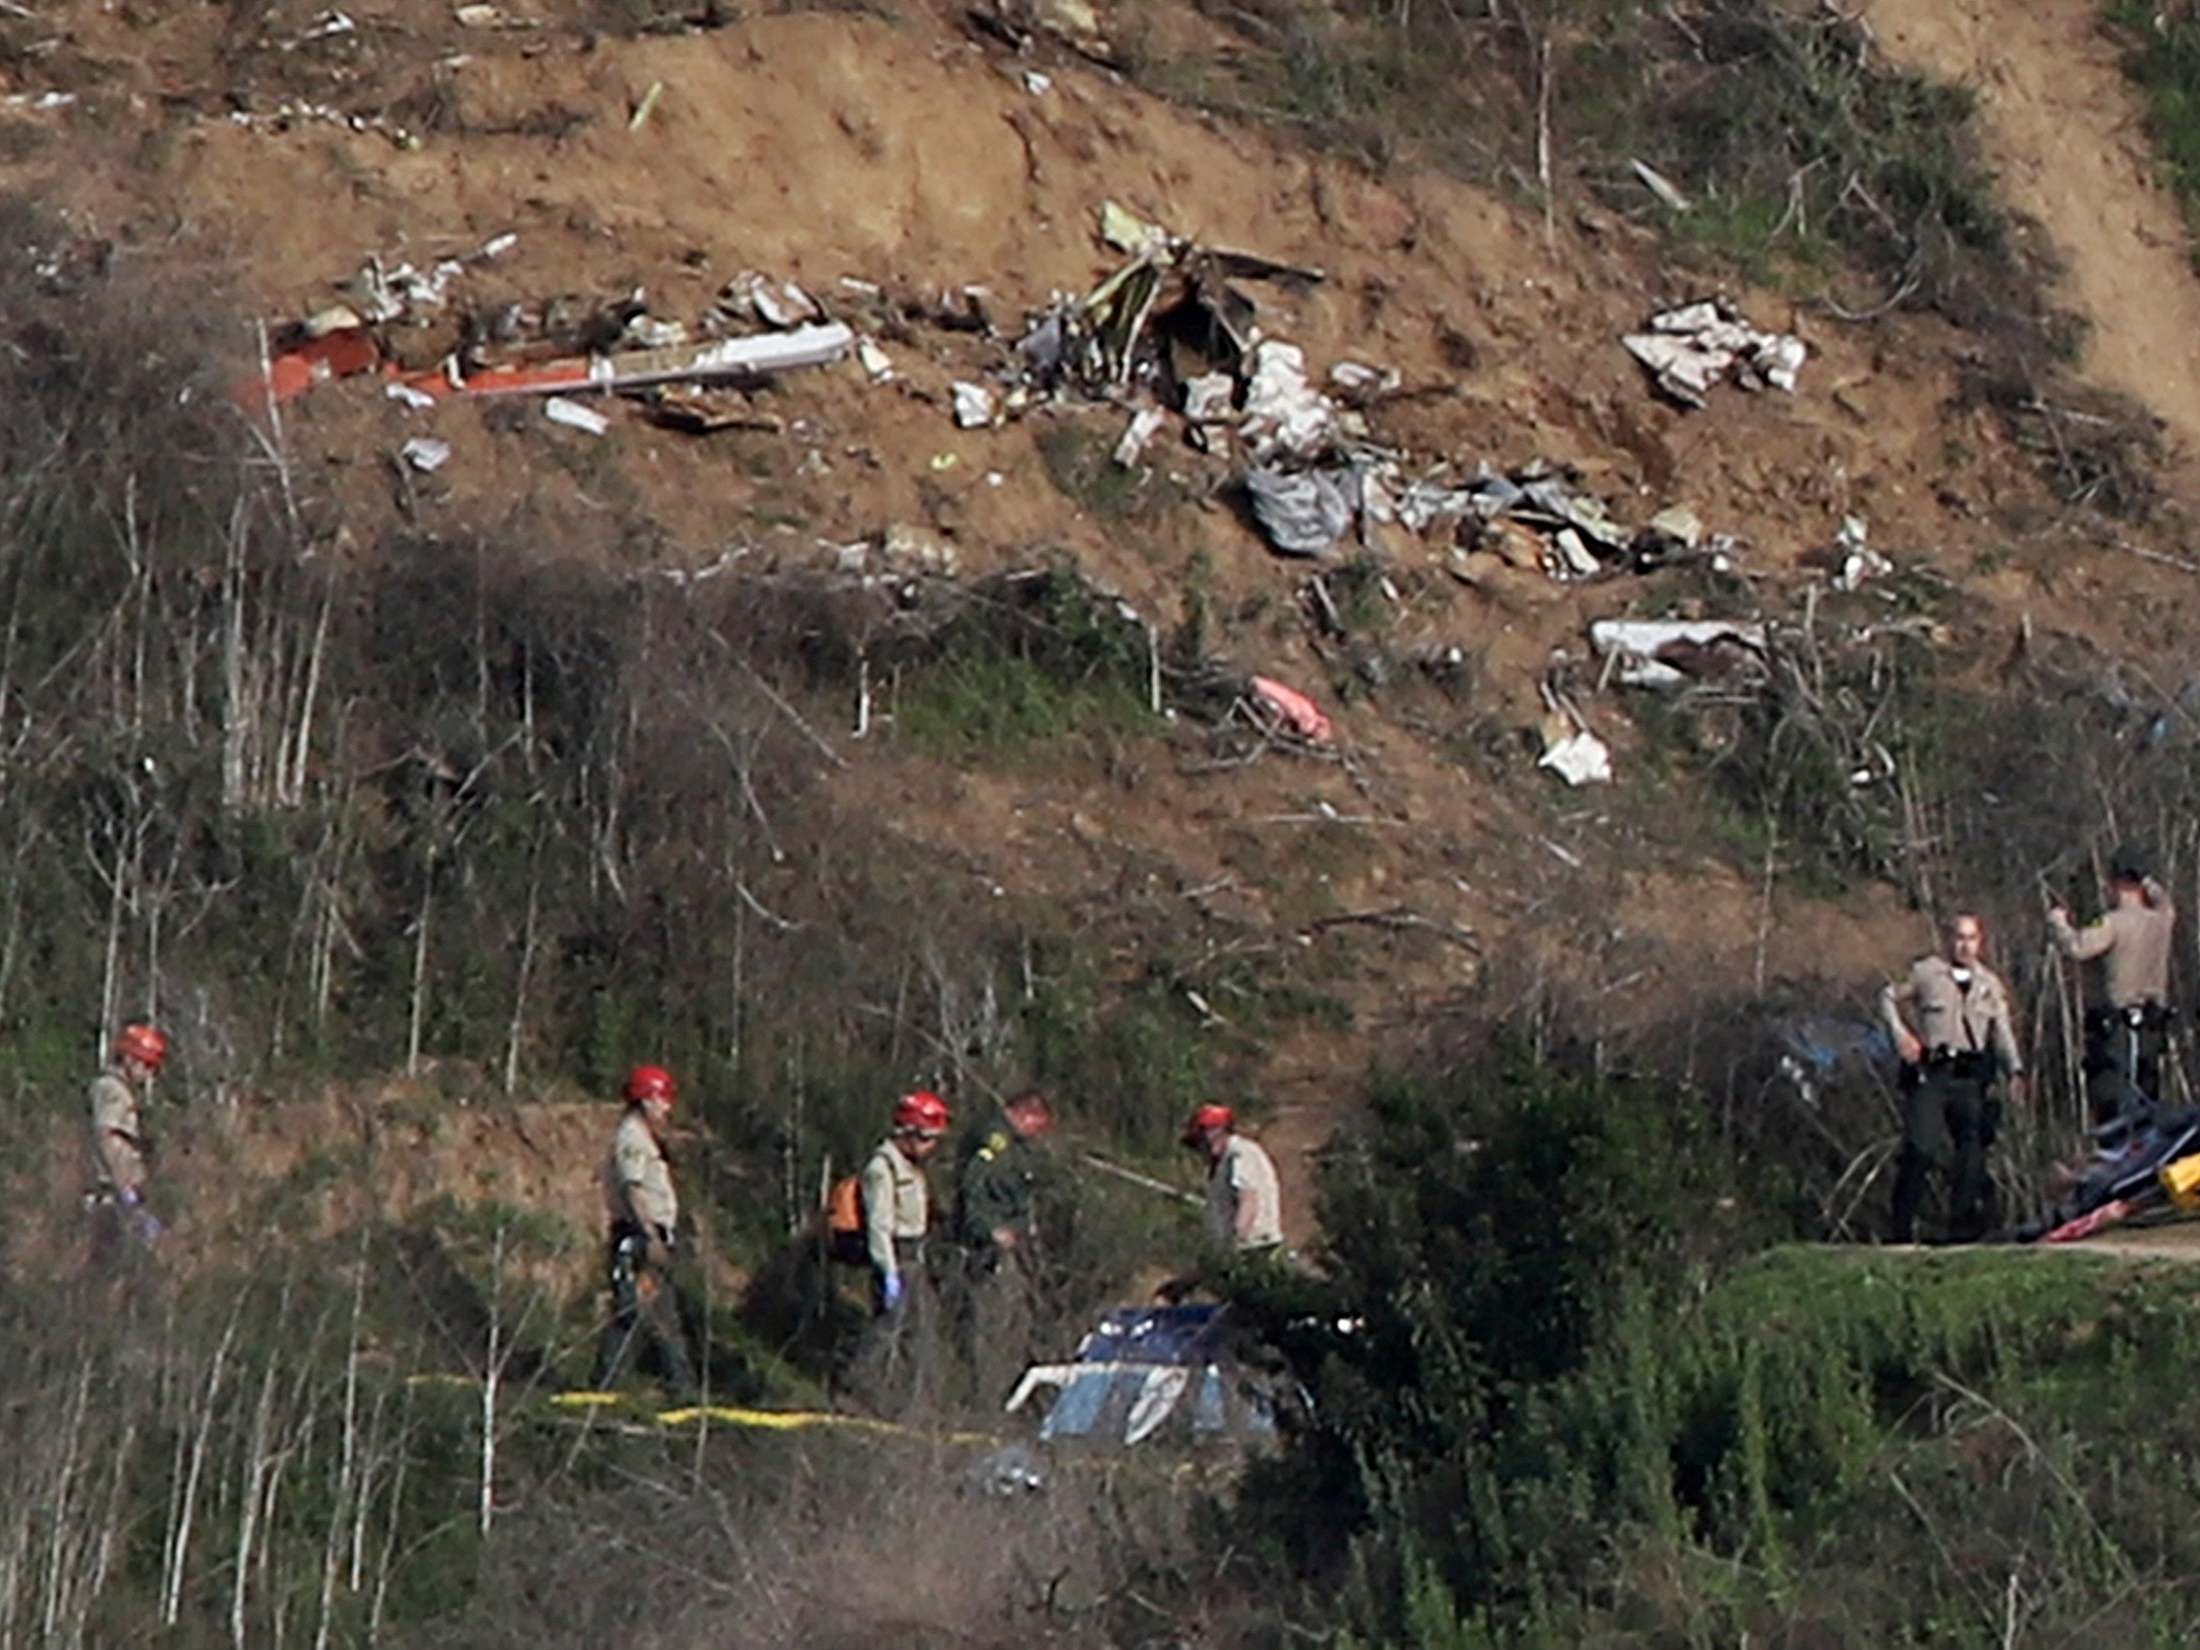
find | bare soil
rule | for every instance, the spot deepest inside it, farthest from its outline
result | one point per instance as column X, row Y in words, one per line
column 2066, row 129
column 905, row 152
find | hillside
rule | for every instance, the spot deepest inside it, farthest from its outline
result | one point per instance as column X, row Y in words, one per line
column 825, row 148
column 424, row 756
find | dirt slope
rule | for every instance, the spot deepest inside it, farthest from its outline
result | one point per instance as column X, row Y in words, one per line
column 2065, row 127
column 828, row 145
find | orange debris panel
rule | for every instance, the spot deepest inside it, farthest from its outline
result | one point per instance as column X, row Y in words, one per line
column 293, row 371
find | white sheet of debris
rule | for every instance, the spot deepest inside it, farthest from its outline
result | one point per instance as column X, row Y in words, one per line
column 1581, row 758
column 1670, row 653
column 1690, row 349
column 1284, row 414
column 1304, row 512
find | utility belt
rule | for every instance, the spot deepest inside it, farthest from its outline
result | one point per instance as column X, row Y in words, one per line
column 629, row 1249
column 2103, row 1021
column 1964, row 1065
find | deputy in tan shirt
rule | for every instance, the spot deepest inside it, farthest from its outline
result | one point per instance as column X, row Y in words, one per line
column 2126, row 1031
column 1962, row 1042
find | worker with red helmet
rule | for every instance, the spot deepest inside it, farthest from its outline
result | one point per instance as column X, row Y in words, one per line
column 1244, row 1202
column 120, row 1145
column 644, row 1212
column 897, row 1204
column 891, row 1366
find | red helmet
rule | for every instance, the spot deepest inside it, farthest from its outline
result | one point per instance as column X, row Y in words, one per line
column 651, row 1083
column 922, row 1112
column 143, row 1042
column 1207, row 1117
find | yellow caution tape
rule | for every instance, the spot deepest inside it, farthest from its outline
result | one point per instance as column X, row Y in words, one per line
column 789, row 1420
column 766, row 1420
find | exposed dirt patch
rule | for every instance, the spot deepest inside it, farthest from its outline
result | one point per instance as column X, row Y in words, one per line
column 2067, row 132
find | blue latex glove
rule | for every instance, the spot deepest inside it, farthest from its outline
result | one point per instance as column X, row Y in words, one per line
column 147, row 1226
column 892, row 1291
column 127, row 1196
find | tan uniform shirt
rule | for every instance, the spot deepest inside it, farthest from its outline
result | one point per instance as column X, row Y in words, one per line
column 1950, row 1017
column 1244, row 1175
column 2132, row 942
column 117, row 1139
column 637, row 1180
column 897, row 1206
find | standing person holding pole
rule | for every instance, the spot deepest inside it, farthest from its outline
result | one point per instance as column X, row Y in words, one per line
column 2127, row 1028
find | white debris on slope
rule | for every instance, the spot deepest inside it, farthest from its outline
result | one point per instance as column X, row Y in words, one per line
column 1690, row 349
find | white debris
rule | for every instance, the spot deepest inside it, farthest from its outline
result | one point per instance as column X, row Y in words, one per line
column 1283, row 412
column 1574, row 559
column 876, row 363
column 910, row 549
column 1860, row 563
column 1581, row 758
column 728, row 358
column 781, row 304
column 1690, row 349
column 574, row 416
column 1661, row 186
column 1422, row 504
column 425, row 453
column 392, row 294
column 1207, row 398
column 497, row 245
column 1145, row 424
column 406, row 395
column 1037, row 84
column 1780, row 362
column 649, row 332
column 1303, row 513
column 1667, row 653
column 45, row 102
column 1360, row 383
column 973, row 405
column 330, row 318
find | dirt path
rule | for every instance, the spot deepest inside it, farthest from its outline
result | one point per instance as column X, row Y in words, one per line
column 2177, row 1241
column 2064, row 128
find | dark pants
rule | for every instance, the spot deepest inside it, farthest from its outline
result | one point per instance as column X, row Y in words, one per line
column 999, row 1308
column 1947, row 1124
column 895, row 1367
column 119, row 1231
column 2123, row 1063
column 643, row 1307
